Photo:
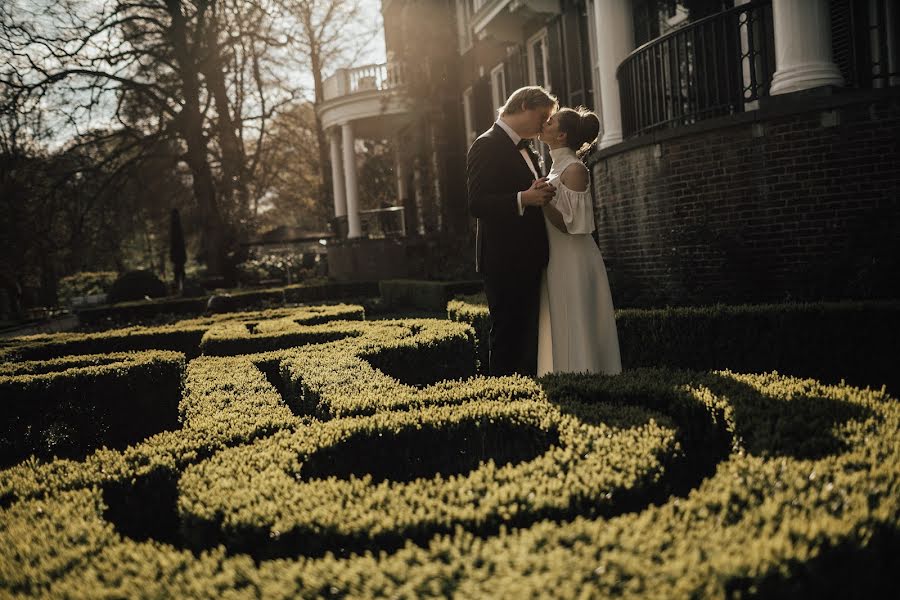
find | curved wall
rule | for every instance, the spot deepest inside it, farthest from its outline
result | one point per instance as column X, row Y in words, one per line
column 799, row 200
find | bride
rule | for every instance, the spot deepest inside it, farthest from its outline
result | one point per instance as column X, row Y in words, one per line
column 577, row 327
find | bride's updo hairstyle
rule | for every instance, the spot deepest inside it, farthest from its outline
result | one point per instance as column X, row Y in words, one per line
column 581, row 127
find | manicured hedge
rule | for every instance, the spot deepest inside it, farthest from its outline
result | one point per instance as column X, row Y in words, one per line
column 795, row 495
column 380, row 369
column 232, row 337
column 185, row 336
column 226, row 401
column 406, row 476
column 853, row 341
column 653, row 483
column 240, row 299
column 423, row 295
column 71, row 406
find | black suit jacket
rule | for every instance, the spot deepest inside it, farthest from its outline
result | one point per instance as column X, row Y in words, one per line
column 506, row 242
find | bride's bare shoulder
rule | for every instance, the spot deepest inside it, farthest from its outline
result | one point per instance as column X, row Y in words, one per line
column 575, row 177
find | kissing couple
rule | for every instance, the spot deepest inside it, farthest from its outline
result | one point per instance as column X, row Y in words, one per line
column 544, row 277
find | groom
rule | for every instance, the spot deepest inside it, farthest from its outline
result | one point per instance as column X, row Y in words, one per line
column 506, row 193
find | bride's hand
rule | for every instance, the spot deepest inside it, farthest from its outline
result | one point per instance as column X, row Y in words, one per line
column 539, row 194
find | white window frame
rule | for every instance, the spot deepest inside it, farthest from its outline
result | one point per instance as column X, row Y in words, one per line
column 540, row 36
column 464, row 25
column 498, row 95
column 680, row 16
column 468, row 116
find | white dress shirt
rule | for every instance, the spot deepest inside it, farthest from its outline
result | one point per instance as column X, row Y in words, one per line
column 515, row 137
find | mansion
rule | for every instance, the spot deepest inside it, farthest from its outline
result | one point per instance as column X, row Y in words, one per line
column 748, row 152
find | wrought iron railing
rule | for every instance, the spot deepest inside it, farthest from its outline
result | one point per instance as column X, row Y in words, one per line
column 366, row 78
column 719, row 65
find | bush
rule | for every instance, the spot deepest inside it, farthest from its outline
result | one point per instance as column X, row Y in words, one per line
column 85, row 284
column 185, row 336
column 655, row 482
column 71, row 406
column 136, row 285
column 830, row 341
column 423, row 295
column 284, row 268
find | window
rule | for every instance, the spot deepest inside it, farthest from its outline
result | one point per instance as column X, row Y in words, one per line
column 595, row 60
column 538, row 60
column 469, row 117
column 498, row 87
column 464, row 12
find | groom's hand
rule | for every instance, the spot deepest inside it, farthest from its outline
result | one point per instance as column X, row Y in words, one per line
column 539, row 194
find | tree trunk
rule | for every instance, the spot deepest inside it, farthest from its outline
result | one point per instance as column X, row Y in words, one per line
column 197, row 157
column 234, row 177
column 327, row 185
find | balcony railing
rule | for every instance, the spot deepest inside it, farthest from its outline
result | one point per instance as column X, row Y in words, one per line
column 718, row 66
column 346, row 82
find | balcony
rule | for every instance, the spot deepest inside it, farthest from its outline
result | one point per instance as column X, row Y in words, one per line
column 503, row 20
column 720, row 65
column 369, row 96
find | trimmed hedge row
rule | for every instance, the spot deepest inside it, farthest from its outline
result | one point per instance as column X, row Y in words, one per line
column 226, row 401
column 406, row 476
column 241, row 299
column 800, row 498
column 185, row 336
column 853, row 341
column 234, row 338
column 379, row 369
column 424, row 295
column 70, row 406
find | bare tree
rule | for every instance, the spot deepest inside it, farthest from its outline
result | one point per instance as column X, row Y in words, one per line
column 189, row 71
column 329, row 34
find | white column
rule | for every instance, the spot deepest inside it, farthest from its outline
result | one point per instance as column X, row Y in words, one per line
column 615, row 40
column 402, row 185
column 419, row 192
column 353, row 227
column 803, row 57
column 337, row 175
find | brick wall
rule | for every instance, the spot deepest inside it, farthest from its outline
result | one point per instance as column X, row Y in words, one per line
column 785, row 203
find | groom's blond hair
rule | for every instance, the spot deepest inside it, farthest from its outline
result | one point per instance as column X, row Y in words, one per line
column 526, row 98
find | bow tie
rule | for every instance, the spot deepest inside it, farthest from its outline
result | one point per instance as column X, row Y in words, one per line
column 523, row 143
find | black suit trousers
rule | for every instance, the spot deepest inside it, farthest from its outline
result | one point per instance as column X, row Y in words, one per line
column 514, row 302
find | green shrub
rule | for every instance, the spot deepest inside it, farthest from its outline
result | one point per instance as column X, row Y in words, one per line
column 185, row 336
column 851, row 341
column 85, row 283
column 652, row 483
column 772, row 516
column 378, row 368
column 140, row 310
column 474, row 311
column 406, row 476
column 136, row 285
column 322, row 291
column 423, row 295
column 71, row 406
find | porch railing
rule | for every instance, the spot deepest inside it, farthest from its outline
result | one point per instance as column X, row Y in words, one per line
column 719, row 65
column 366, row 78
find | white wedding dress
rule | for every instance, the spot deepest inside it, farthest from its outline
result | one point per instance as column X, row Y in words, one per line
column 577, row 327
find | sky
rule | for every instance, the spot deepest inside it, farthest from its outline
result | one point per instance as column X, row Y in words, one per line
column 34, row 11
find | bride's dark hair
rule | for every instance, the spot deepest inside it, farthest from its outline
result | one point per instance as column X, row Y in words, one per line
column 581, row 127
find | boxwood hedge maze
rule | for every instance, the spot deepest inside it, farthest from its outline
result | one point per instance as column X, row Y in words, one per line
column 308, row 452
